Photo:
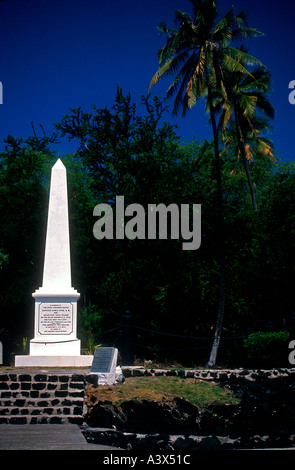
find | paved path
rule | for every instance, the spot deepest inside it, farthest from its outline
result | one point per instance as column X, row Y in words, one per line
column 45, row 437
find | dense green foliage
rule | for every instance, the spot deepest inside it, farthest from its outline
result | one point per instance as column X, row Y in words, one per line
column 267, row 349
column 131, row 151
column 24, row 173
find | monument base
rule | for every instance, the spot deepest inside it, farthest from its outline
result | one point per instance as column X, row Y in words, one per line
column 53, row 361
column 55, row 348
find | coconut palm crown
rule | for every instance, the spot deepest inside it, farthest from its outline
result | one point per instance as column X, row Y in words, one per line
column 198, row 51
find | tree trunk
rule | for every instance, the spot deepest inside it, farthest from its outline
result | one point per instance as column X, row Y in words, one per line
column 218, row 328
column 241, row 145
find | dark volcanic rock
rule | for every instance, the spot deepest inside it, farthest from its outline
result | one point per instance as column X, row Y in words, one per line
column 145, row 416
column 265, row 415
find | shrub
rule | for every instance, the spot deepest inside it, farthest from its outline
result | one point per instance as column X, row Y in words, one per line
column 267, row 349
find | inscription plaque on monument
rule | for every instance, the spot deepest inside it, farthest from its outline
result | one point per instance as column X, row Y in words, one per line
column 103, row 360
column 55, row 318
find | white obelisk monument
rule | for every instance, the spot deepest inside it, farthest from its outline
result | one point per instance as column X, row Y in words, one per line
column 55, row 340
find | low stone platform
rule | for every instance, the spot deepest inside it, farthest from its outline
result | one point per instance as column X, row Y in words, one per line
column 157, row 442
column 49, row 437
column 208, row 374
column 57, row 396
column 31, row 399
column 42, row 397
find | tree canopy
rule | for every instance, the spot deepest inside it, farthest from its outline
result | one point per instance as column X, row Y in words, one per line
column 245, row 264
column 164, row 287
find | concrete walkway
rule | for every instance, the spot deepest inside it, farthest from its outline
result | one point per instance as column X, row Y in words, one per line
column 45, row 437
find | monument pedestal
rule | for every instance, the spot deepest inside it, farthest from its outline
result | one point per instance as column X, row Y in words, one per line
column 55, row 342
column 55, row 323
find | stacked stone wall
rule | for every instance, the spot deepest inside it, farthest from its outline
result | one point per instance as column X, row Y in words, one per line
column 35, row 398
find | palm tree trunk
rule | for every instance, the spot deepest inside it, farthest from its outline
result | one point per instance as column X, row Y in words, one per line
column 241, row 145
column 218, row 328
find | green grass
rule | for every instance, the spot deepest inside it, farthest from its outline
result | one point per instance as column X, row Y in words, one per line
column 165, row 390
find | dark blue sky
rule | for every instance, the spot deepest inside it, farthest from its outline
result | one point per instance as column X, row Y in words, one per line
column 57, row 54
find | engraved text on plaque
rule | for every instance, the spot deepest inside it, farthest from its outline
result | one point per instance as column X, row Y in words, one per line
column 55, row 318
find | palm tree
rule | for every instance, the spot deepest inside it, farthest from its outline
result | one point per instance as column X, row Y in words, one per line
column 197, row 52
column 244, row 103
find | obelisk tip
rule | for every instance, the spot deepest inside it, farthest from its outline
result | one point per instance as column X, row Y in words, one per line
column 59, row 165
